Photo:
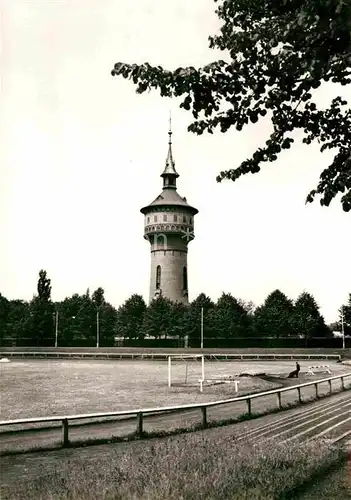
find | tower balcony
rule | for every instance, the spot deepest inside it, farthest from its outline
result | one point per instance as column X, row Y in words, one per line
column 174, row 229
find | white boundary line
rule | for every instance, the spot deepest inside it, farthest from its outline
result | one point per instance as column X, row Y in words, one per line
column 334, row 427
column 295, row 436
column 266, row 428
column 339, row 438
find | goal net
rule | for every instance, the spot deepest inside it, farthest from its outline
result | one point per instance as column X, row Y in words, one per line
column 200, row 371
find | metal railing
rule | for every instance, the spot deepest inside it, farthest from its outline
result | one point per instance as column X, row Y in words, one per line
column 162, row 356
column 140, row 413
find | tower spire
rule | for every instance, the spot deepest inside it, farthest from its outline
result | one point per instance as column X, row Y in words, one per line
column 170, row 129
column 170, row 174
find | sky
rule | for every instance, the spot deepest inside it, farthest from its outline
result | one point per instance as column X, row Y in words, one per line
column 81, row 153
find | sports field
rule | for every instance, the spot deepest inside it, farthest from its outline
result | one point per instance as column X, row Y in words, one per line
column 35, row 388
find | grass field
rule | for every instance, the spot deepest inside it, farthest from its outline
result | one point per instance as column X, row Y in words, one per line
column 33, row 388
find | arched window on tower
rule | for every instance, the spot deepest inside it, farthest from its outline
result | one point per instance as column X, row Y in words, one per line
column 158, row 277
column 185, row 278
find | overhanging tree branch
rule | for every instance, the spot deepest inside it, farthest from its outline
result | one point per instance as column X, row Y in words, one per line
column 280, row 51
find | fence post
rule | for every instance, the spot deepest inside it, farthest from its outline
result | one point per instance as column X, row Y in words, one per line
column 248, row 405
column 342, row 383
column 299, row 394
column 330, row 387
column 204, row 417
column 140, row 430
column 65, row 439
column 316, row 387
column 279, row 400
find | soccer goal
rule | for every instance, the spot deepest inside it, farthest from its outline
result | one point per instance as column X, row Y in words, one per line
column 185, row 369
column 199, row 371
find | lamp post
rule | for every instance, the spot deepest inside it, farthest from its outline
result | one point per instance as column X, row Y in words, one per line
column 56, row 327
column 97, row 329
column 342, row 327
column 202, row 346
column 202, row 327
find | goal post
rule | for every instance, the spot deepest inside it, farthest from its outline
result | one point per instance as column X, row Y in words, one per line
column 198, row 376
column 185, row 358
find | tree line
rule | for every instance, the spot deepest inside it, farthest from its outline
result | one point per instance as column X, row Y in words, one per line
column 84, row 320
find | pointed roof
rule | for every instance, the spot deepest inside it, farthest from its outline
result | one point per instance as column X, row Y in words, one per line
column 169, row 195
column 170, row 163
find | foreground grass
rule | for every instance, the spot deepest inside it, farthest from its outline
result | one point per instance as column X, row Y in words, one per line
column 188, row 468
column 336, row 485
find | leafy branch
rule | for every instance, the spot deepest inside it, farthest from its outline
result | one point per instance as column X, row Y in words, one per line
column 279, row 52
